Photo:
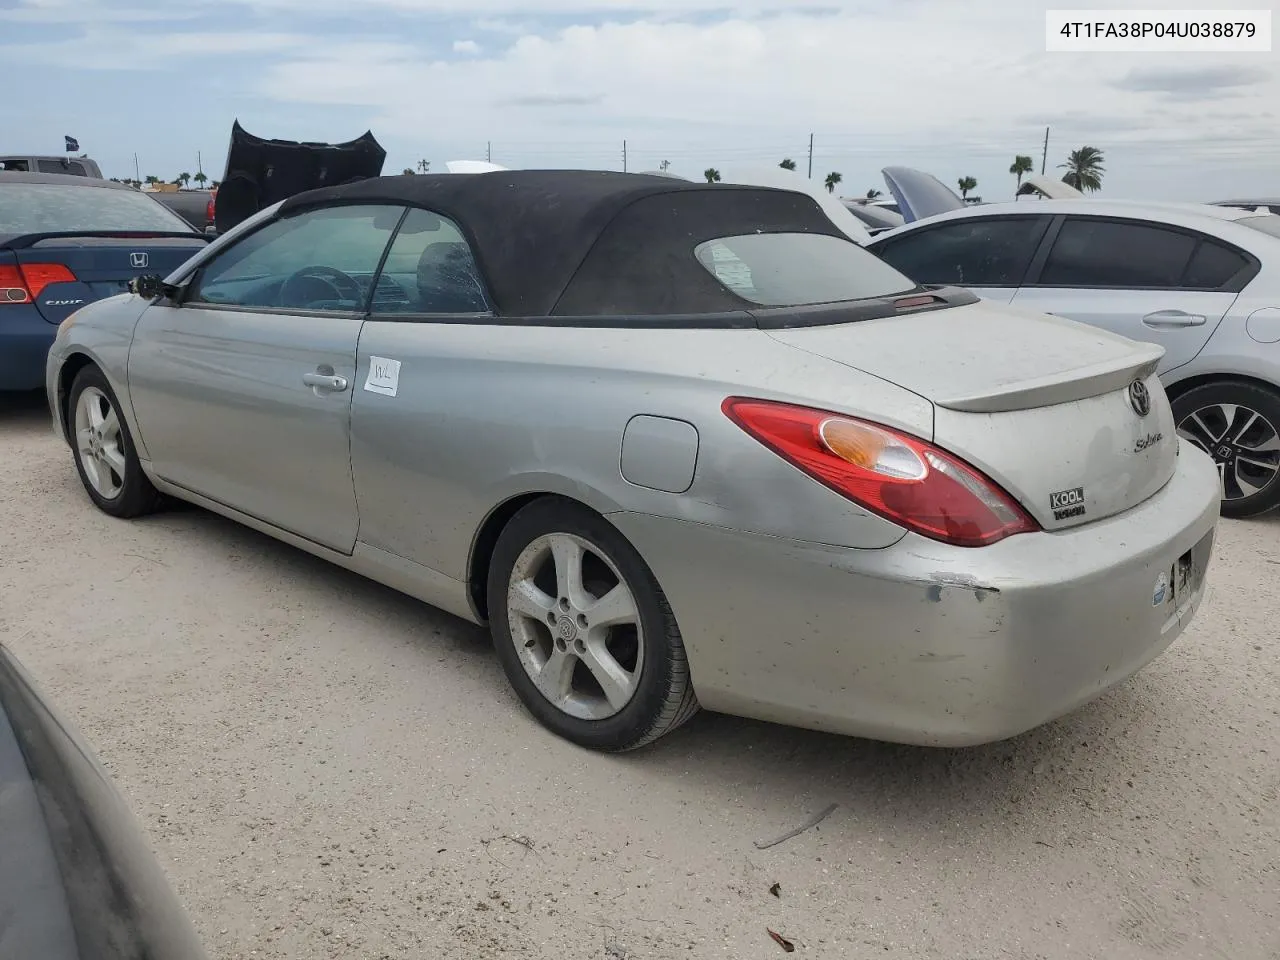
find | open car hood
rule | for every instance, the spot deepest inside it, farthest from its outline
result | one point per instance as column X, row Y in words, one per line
column 262, row 172
column 1048, row 188
column 920, row 194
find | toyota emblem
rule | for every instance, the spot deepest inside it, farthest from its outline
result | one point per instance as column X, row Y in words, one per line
column 1139, row 398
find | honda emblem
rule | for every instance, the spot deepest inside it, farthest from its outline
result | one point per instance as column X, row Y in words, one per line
column 139, row 260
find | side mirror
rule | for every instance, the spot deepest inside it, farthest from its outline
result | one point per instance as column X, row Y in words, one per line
column 149, row 286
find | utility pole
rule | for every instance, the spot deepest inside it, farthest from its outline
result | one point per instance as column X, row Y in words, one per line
column 811, row 156
column 200, row 167
column 1045, row 155
column 488, row 152
column 624, row 156
column 137, row 170
column 424, row 166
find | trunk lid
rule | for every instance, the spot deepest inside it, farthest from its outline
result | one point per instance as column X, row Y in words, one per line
column 1044, row 406
column 101, row 265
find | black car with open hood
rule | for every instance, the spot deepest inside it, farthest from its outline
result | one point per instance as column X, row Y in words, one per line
column 262, row 172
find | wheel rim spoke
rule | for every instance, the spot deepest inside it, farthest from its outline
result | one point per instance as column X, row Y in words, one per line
column 554, row 679
column 113, row 459
column 615, row 608
column 525, row 598
column 568, row 556
column 617, row 683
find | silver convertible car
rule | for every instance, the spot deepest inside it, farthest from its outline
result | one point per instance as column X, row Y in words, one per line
column 675, row 443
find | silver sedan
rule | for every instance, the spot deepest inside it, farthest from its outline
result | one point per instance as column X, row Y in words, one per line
column 677, row 444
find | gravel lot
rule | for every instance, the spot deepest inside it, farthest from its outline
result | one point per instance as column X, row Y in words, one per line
column 329, row 769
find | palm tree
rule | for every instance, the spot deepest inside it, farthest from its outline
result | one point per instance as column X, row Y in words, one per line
column 182, row 179
column 201, row 178
column 1020, row 167
column 788, row 164
column 1084, row 169
column 712, row 175
column 872, row 193
column 408, row 172
column 152, row 180
column 664, row 165
column 833, row 178
column 966, row 184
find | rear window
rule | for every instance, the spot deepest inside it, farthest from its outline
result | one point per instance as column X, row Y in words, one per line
column 1269, row 224
column 795, row 269
column 64, row 208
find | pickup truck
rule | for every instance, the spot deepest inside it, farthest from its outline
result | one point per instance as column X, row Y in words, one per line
column 193, row 206
column 36, row 163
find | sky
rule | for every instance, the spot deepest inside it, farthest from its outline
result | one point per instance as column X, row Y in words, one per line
column 957, row 89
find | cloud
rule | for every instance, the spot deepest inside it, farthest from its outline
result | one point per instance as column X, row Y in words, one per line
column 957, row 88
column 1193, row 83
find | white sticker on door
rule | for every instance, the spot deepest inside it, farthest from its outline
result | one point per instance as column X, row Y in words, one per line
column 384, row 376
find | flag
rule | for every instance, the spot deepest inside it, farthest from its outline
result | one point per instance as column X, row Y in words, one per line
column 72, row 144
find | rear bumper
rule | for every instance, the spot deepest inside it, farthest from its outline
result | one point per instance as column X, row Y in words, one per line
column 25, row 338
column 925, row 643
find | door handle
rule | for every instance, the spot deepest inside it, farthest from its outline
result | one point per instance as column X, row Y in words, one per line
column 325, row 381
column 1174, row 318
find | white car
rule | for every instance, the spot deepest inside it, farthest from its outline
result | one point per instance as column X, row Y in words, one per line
column 1201, row 281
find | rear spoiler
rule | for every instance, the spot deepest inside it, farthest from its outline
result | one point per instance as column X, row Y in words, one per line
column 28, row 240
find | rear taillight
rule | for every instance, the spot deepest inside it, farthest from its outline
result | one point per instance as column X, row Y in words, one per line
column 900, row 477
column 23, row 283
column 208, row 211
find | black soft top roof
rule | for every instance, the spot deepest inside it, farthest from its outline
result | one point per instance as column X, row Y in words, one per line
column 585, row 242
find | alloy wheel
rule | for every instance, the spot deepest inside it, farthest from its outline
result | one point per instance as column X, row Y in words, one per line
column 575, row 625
column 1243, row 443
column 100, row 443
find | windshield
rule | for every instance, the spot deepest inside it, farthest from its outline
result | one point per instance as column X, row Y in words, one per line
column 1267, row 224
column 794, row 269
column 65, row 208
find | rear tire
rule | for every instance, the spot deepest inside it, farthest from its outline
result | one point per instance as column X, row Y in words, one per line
column 583, row 630
column 1238, row 424
column 102, row 445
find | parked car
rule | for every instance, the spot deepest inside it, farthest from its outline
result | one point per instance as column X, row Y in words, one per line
column 196, row 207
column 877, row 218
column 78, row 882
column 1257, row 206
column 676, row 443
column 1201, row 281
column 66, row 241
column 66, row 165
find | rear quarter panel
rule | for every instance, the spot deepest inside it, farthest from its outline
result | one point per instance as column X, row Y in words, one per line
column 485, row 413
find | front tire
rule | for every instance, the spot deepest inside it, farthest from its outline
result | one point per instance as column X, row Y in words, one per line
column 105, row 456
column 583, row 630
column 1238, row 424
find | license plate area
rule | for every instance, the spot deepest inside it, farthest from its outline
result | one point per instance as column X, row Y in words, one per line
column 1187, row 573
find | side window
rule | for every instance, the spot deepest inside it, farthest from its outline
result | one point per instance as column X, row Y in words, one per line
column 15, row 166
column 321, row 259
column 1212, row 266
column 981, row 252
column 1108, row 253
column 71, row 167
column 430, row 269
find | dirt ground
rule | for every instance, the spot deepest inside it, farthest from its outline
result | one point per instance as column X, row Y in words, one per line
column 328, row 769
